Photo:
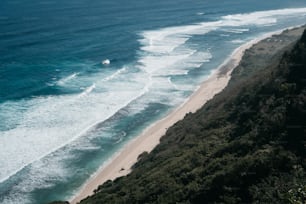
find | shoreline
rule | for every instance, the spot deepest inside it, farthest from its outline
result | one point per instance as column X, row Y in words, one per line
column 120, row 164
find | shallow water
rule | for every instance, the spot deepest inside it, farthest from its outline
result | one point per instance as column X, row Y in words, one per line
column 63, row 113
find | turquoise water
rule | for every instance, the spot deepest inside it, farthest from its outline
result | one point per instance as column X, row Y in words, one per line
column 63, row 113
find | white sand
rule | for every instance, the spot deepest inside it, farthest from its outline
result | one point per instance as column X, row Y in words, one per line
column 121, row 164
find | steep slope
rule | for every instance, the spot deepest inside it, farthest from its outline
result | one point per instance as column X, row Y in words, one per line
column 247, row 145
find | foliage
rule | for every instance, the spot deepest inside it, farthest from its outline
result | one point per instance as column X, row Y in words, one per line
column 247, row 145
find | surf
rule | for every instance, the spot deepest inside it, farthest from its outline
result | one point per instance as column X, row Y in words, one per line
column 54, row 127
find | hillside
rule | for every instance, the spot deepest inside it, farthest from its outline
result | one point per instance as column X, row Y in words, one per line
column 247, row 145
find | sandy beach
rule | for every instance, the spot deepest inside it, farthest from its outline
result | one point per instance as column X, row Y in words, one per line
column 122, row 162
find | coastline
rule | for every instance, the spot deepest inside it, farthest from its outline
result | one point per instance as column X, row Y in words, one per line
column 121, row 163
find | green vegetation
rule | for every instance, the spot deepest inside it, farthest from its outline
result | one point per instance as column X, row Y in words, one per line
column 247, row 145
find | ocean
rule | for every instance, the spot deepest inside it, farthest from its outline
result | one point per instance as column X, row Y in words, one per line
column 64, row 113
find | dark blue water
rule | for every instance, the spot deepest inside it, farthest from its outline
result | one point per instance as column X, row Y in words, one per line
column 63, row 113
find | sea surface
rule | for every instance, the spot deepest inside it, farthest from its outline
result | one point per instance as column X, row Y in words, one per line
column 63, row 113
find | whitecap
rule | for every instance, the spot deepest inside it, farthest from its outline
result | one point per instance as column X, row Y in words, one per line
column 64, row 80
column 88, row 90
column 49, row 123
column 106, row 62
column 116, row 74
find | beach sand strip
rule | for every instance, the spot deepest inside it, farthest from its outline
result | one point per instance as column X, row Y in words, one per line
column 121, row 163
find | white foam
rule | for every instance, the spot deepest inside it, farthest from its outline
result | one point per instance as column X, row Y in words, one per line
column 237, row 41
column 236, row 30
column 262, row 17
column 116, row 74
column 64, row 80
column 160, row 42
column 88, row 90
column 46, row 124
column 167, row 39
column 49, row 123
column 42, row 174
column 153, row 64
column 166, row 51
